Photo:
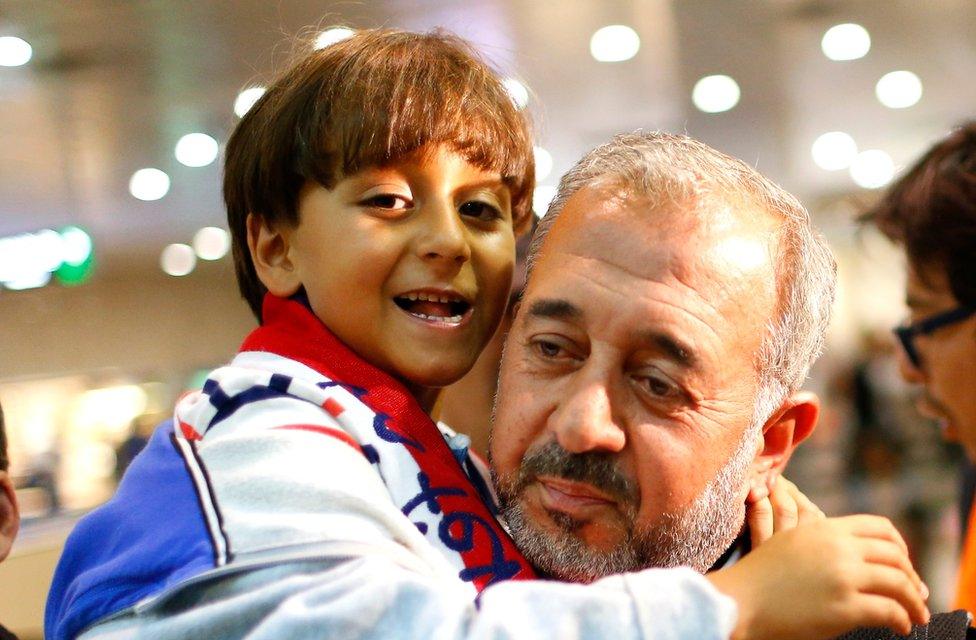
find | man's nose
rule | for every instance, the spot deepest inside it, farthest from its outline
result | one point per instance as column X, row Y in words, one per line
column 584, row 420
column 442, row 238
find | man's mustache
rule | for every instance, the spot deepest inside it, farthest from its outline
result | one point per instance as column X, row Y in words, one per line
column 596, row 468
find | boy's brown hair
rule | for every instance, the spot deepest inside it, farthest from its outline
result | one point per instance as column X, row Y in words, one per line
column 367, row 101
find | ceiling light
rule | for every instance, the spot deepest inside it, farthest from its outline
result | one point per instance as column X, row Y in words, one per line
column 211, row 243
column 196, row 150
column 543, row 163
column 898, row 89
column 77, row 245
column 614, row 43
column 178, row 260
column 246, row 99
column 14, row 52
column 149, row 184
column 332, row 36
column 846, row 42
column 517, row 92
column 541, row 198
column 714, row 94
column 834, row 151
column 872, row 169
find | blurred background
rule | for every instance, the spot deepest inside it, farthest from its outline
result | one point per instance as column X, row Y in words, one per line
column 116, row 293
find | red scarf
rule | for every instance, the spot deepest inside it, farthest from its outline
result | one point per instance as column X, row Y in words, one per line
column 291, row 330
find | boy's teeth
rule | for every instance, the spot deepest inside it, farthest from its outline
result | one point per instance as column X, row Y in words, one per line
column 428, row 297
column 443, row 319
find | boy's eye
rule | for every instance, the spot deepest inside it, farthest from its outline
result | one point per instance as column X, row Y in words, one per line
column 480, row 210
column 387, row 201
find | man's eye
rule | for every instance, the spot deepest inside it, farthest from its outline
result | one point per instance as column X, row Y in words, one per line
column 548, row 349
column 480, row 210
column 659, row 387
column 387, row 201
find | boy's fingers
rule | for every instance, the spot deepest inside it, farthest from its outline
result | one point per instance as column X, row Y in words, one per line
column 785, row 511
column 895, row 584
column 868, row 526
column 880, row 611
column 806, row 509
column 890, row 554
column 760, row 521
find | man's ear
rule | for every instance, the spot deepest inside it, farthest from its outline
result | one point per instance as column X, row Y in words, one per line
column 9, row 515
column 789, row 425
column 270, row 252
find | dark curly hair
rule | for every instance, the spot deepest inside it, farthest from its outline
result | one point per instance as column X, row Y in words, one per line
column 931, row 211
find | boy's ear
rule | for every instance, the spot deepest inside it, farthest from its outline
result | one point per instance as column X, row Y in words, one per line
column 270, row 252
column 789, row 425
column 9, row 515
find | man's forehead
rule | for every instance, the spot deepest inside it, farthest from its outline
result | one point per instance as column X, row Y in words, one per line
column 640, row 235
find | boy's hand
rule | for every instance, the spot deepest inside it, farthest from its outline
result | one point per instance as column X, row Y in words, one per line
column 823, row 578
column 777, row 508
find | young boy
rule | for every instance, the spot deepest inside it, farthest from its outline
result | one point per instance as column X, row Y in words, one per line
column 373, row 194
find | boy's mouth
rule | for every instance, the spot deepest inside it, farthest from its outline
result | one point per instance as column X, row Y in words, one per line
column 440, row 307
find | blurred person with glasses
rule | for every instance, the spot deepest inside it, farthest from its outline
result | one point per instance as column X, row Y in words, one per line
column 931, row 213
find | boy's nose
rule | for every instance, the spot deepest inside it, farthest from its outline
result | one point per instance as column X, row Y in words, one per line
column 443, row 237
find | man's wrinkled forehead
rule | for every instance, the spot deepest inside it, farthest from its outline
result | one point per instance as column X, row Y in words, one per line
column 628, row 227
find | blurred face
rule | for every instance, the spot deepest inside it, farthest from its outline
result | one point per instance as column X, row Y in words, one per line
column 947, row 356
column 622, row 429
column 409, row 265
column 9, row 514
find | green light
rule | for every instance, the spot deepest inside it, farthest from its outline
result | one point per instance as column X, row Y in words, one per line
column 79, row 257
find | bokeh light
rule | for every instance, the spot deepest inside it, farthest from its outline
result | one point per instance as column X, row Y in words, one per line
column 846, row 42
column 898, row 89
column 211, row 243
column 614, row 43
column 178, row 260
column 14, row 51
column 149, row 184
column 332, row 36
column 541, row 198
column 715, row 94
column 834, row 151
column 872, row 169
column 517, row 92
column 196, row 150
column 246, row 99
column 543, row 163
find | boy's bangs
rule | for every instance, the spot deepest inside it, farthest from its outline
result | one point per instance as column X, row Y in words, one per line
column 416, row 92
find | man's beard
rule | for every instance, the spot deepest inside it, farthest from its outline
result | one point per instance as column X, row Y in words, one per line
column 695, row 536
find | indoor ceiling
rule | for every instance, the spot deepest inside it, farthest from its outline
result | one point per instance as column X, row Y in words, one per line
column 113, row 84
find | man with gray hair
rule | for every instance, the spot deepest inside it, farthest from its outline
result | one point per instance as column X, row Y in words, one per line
column 676, row 301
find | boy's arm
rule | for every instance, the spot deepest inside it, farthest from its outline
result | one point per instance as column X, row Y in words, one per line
column 373, row 597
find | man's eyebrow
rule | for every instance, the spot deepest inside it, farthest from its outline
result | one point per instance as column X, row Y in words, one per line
column 674, row 348
column 555, row 308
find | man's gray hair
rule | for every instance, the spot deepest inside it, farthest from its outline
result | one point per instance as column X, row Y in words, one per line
column 675, row 169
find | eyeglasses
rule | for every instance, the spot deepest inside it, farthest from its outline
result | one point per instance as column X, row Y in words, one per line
column 906, row 334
